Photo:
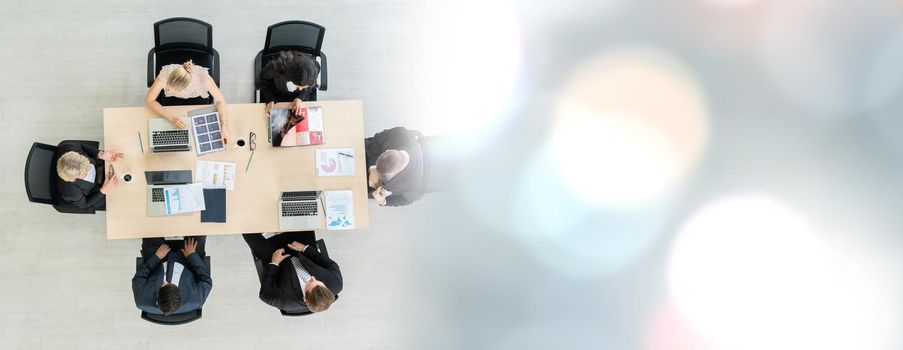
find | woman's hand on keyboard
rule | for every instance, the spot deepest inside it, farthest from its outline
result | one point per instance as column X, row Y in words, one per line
column 176, row 121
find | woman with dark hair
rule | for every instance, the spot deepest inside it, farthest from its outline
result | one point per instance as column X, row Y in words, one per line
column 291, row 77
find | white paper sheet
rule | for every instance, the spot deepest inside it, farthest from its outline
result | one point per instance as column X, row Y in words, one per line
column 339, row 210
column 215, row 174
column 184, row 198
column 335, row 162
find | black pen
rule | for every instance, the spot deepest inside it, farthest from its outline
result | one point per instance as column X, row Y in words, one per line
column 346, row 155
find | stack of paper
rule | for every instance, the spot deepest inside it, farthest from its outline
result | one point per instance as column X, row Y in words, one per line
column 184, row 198
column 216, row 174
column 339, row 210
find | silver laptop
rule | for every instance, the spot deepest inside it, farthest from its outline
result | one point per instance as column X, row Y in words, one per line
column 300, row 210
column 165, row 137
column 156, row 180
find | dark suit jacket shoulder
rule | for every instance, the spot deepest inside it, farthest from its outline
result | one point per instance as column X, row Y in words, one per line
column 81, row 193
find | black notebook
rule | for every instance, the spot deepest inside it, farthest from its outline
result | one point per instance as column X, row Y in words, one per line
column 215, row 201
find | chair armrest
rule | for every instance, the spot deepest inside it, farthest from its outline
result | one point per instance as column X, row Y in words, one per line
column 257, row 68
column 150, row 67
column 258, row 266
column 323, row 76
column 321, row 246
column 65, row 209
column 95, row 144
column 215, row 67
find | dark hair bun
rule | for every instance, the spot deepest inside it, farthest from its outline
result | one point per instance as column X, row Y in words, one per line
column 297, row 67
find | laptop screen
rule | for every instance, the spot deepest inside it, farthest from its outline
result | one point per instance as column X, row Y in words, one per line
column 174, row 177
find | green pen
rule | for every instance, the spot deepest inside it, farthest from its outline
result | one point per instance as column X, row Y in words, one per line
column 249, row 161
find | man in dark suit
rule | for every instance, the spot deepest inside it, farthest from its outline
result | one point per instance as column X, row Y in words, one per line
column 298, row 278
column 394, row 166
column 172, row 283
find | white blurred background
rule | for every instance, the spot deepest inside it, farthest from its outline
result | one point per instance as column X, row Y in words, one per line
column 698, row 174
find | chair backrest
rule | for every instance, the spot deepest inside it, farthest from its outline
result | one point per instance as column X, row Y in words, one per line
column 306, row 35
column 173, row 319
column 183, row 30
column 39, row 173
column 177, row 40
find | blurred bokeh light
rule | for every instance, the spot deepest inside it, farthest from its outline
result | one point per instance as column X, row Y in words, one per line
column 748, row 272
column 817, row 52
column 608, row 149
column 630, row 122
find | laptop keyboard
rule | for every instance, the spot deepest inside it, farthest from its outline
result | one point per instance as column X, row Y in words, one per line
column 299, row 196
column 157, row 195
column 299, row 208
column 164, row 149
column 170, row 137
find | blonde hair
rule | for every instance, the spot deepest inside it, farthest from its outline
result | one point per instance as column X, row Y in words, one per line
column 71, row 166
column 179, row 78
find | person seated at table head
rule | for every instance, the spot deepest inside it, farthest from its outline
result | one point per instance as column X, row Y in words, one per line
column 394, row 166
column 80, row 170
column 299, row 277
column 290, row 77
column 168, row 282
column 186, row 81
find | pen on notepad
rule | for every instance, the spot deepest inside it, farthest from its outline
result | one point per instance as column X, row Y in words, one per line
column 346, row 155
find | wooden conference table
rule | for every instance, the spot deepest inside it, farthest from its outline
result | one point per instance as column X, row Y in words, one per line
column 254, row 203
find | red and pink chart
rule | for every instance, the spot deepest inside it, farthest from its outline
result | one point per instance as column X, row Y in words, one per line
column 335, row 162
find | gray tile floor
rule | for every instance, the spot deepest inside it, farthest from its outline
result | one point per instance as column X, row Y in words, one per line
column 66, row 286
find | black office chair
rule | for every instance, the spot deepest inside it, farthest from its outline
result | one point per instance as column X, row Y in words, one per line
column 300, row 36
column 173, row 319
column 321, row 246
column 41, row 178
column 177, row 40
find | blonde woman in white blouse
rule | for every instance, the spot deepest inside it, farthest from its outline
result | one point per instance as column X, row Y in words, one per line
column 186, row 81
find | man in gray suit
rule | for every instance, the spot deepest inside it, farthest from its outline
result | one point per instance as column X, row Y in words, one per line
column 172, row 283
